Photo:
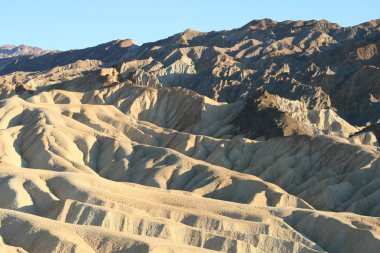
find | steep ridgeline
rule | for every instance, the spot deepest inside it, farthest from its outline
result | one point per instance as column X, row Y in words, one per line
column 317, row 62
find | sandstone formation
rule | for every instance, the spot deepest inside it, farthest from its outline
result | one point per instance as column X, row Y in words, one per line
column 263, row 138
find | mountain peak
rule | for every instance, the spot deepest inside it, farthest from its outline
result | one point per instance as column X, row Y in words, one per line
column 261, row 23
column 190, row 33
column 371, row 24
column 266, row 23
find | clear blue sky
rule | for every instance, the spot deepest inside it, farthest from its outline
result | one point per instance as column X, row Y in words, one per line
column 70, row 24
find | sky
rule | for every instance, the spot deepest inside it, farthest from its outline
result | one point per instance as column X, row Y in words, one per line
column 73, row 24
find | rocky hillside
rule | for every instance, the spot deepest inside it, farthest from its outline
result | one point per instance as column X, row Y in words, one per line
column 318, row 62
column 263, row 138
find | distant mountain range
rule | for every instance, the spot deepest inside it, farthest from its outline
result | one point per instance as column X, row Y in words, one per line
column 22, row 50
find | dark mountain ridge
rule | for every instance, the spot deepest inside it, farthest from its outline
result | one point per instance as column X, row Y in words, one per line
column 321, row 63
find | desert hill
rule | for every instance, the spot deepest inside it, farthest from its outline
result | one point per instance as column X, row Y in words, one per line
column 264, row 138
